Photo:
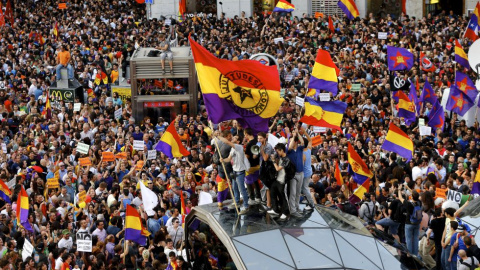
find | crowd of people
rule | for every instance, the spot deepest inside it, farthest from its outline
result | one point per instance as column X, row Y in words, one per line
column 100, row 36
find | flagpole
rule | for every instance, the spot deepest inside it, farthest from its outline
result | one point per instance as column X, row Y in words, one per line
column 226, row 174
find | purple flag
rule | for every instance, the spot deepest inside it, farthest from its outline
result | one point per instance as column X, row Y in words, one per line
column 458, row 101
column 436, row 116
column 399, row 58
column 428, row 95
column 413, row 97
column 465, row 84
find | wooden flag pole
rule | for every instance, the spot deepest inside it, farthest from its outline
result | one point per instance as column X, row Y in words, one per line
column 226, row 174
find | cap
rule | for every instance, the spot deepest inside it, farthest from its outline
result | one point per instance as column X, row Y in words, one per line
column 65, row 232
column 460, row 228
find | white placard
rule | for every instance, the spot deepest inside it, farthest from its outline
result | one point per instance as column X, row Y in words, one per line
column 2, row 84
column 118, row 113
column 204, row 198
column 324, row 96
column 168, row 22
column 421, row 122
column 299, row 101
column 319, row 129
column 272, row 140
column 4, row 148
column 83, row 148
column 84, row 242
column 276, row 40
column 454, row 196
column 90, row 84
column 382, row 35
column 11, row 184
column 138, row 145
column 152, row 154
column 27, row 250
column 425, row 131
column 77, row 107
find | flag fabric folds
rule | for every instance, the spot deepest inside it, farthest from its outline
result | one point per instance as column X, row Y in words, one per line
column 425, row 63
column 170, row 143
column 458, row 102
column 399, row 58
column 324, row 113
column 436, row 116
column 460, row 55
column 134, row 229
column 360, row 172
column 428, row 95
column 330, row 25
column 398, row 141
column 9, row 13
column 412, row 95
column 465, row 84
column 284, row 6
column 399, row 83
column 338, row 174
column 406, row 109
column 182, row 9
column 47, row 111
column 476, row 183
column 2, row 16
column 472, row 27
column 325, row 73
column 243, row 90
column 22, row 210
column 5, row 192
column 349, row 8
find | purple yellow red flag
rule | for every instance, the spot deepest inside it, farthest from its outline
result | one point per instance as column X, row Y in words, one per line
column 458, row 102
column 465, row 84
column 284, row 6
column 349, row 8
column 22, row 210
column 460, row 55
column 170, row 143
column 360, row 172
column 398, row 141
column 245, row 90
column 406, row 109
column 325, row 73
column 134, row 229
column 47, row 111
column 5, row 192
column 399, row 58
column 324, row 113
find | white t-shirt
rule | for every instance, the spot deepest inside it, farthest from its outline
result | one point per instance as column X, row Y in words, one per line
column 65, row 243
column 238, row 158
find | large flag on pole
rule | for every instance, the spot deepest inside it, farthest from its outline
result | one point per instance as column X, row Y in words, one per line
column 460, row 56
column 22, row 210
column 360, row 172
column 284, row 6
column 398, row 141
column 349, row 8
column 134, row 229
column 325, row 73
column 245, row 90
column 472, row 27
column 170, row 143
column 399, row 58
column 324, row 113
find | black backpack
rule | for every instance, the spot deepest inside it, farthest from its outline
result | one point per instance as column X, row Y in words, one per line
column 400, row 214
column 349, row 208
column 471, row 265
column 290, row 171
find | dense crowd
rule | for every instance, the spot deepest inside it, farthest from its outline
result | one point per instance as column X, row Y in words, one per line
column 100, row 36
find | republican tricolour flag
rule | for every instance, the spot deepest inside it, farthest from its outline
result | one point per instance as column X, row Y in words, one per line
column 324, row 74
column 134, row 229
column 245, row 90
column 55, row 30
column 349, row 8
column 22, row 210
column 338, row 174
column 460, row 55
column 47, row 111
column 324, row 113
column 399, row 58
column 360, row 172
column 398, row 141
column 406, row 109
column 472, row 27
column 170, row 143
column 5, row 192
column 284, row 6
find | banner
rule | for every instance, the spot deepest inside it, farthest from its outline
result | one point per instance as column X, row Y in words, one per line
column 108, row 157
column 66, row 95
column 53, row 183
column 85, row 162
column 123, row 93
column 84, row 242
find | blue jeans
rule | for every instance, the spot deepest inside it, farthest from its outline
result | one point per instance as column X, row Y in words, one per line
column 69, row 71
column 411, row 237
column 240, row 182
column 445, row 254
